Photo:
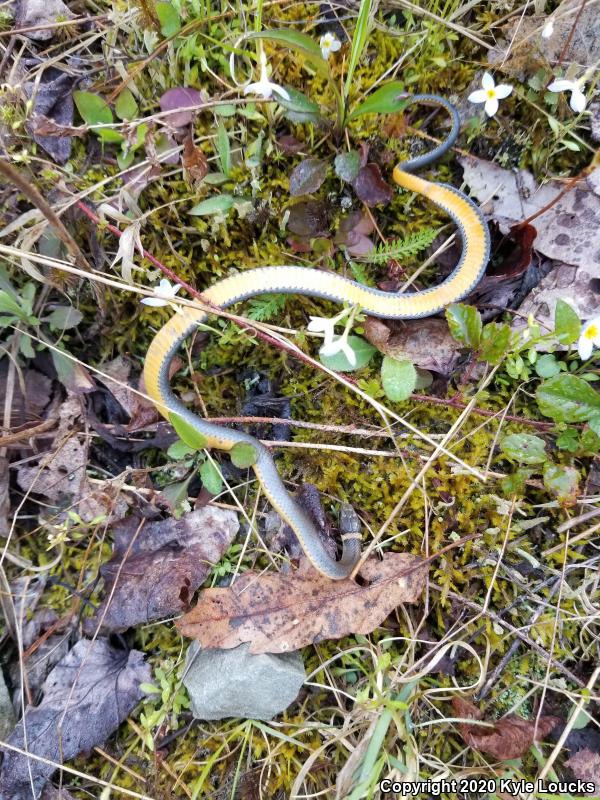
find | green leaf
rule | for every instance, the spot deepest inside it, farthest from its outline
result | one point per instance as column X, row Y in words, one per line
column 26, row 346
column 300, row 42
column 465, row 324
column 398, row 379
column 547, row 366
column 73, row 376
column 568, row 398
column 93, row 109
column 149, row 688
column 388, row 99
column 590, row 441
column 563, row 482
column 400, row 249
column 64, row 317
column 187, row 433
column 176, row 493
column 243, row 455
column 226, row 110
column 568, row 440
column 299, row 108
column 109, row 135
column 167, row 14
column 362, row 349
column 347, row 165
column 126, row 106
column 594, row 423
column 219, row 204
column 179, row 450
column 524, row 448
column 211, row 478
column 567, row 324
column 359, row 40
column 223, row 149
column 8, row 305
column 495, row 340
column 515, row 483
column 424, row 378
column 215, row 178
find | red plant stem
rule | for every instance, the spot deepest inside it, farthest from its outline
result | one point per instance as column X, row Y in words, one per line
column 198, row 295
column 423, row 398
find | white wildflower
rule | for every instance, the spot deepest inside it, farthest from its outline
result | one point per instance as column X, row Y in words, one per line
column 163, row 294
column 589, row 338
column 263, row 87
column 329, row 43
column 339, row 345
column 548, row 29
column 490, row 94
column 578, row 100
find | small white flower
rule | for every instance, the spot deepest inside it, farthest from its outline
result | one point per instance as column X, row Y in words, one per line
column 329, row 43
column 163, row 293
column 548, row 29
column 339, row 345
column 264, row 87
column 578, row 100
column 326, row 325
column 589, row 338
column 490, row 94
column 323, row 325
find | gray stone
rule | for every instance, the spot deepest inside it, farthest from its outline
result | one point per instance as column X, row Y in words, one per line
column 7, row 717
column 235, row 683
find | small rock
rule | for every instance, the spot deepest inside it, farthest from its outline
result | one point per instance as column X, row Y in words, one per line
column 37, row 13
column 235, row 683
column 7, row 717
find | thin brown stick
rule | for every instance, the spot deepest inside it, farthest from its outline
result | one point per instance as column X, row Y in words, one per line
column 482, row 412
column 567, row 44
column 32, row 194
column 28, row 433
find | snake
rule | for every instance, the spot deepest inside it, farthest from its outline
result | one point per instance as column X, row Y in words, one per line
column 474, row 237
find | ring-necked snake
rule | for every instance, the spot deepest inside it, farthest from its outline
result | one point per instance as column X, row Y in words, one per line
column 316, row 283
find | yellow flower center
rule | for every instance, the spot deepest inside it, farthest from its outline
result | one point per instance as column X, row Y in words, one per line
column 491, row 93
column 592, row 332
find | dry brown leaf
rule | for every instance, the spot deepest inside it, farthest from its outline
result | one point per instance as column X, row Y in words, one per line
column 193, row 160
column 30, row 397
column 568, row 231
column 585, row 765
column 279, row 613
column 577, row 285
column 509, row 737
column 60, row 475
column 425, row 342
column 524, row 48
column 156, row 568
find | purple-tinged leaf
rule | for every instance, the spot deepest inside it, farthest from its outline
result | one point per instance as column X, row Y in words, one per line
column 307, row 177
column 178, row 99
column 370, row 186
column 309, row 218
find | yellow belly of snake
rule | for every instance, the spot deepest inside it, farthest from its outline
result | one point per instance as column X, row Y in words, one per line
column 316, row 283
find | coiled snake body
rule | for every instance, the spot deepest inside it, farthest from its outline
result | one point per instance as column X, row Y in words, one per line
column 474, row 236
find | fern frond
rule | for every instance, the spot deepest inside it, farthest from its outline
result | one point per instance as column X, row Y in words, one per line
column 264, row 308
column 402, row 248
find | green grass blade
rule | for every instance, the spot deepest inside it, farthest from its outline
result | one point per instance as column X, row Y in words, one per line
column 361, row 34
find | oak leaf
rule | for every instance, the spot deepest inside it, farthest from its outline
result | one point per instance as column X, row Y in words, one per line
column 508, row 738
column 278, row 613
column 156, row 567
